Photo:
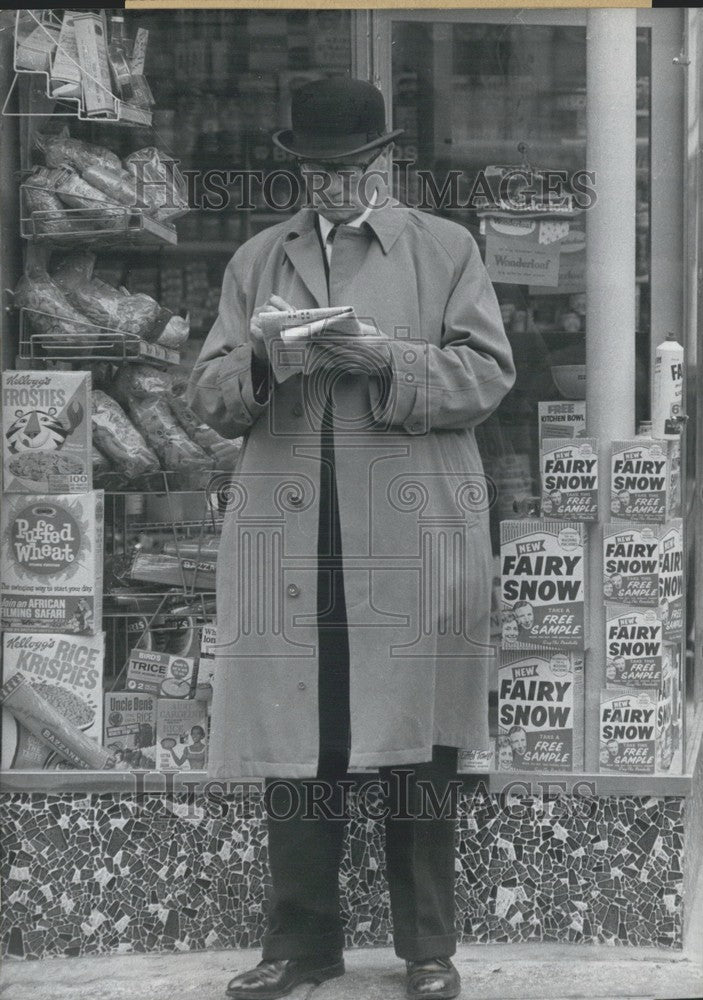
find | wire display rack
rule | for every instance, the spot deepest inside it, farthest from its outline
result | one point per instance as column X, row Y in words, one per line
column 71, row 340
column 97, row 228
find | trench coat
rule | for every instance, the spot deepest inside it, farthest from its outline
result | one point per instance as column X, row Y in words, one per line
column 413, row 502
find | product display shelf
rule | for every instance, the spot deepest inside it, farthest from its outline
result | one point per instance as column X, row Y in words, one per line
column 47, row 24
column 88, row 343
column 96, row 228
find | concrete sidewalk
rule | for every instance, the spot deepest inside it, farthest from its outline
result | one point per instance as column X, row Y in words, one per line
column 499, row 972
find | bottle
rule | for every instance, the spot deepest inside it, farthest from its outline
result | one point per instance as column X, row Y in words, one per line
column 667, row 395
column 117, row 57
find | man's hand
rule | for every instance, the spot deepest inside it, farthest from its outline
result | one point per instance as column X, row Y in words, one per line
column 274, row 303
column 349, row 345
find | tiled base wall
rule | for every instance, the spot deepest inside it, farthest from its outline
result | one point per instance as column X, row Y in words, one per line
column 95, row 874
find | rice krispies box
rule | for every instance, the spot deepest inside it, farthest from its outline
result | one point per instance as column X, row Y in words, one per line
column 641, row 481
column 67, row 671
column 543, row 584
column 51, row 563
column 540, row 711
column 671, row 599
column 633, row 646
column 569, row 473
column 628, row 730
column 631, row 563
column 47, row 437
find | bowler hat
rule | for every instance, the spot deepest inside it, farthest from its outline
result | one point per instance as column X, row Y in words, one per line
column 335, row 118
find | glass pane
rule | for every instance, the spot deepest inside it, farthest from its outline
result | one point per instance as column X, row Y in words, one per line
column 478, row 96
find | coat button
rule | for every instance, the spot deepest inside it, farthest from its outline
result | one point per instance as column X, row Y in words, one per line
column 409, row 357
column 301, row 686
column 293, row 590
column 409, row 377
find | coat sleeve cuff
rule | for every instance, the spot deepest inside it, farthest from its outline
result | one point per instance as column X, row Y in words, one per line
column 237, row 384
column 404, row 401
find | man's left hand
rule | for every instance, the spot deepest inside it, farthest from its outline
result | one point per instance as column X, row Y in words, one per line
column 348, row 345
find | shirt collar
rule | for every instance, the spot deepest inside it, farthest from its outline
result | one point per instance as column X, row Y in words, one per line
column 386, row 221
column 356, row 223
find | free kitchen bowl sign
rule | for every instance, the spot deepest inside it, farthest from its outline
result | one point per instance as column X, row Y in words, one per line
column 524, row 251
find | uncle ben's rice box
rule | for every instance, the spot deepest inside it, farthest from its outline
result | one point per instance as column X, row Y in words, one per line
column 51, row 563
column 543, row 584
column 641, row 481
column 540, row 710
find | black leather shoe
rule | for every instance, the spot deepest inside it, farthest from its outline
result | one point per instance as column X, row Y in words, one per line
column 271, row 979
column 432, row 977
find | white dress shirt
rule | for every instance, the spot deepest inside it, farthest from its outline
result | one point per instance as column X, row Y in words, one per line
column 326, row 226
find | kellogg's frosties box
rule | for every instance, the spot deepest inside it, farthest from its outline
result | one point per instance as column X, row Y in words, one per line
column 540, row 711
column 640, row 481
column 628, row 729
column 543, row 584
column 569, row 472
column 51, row 563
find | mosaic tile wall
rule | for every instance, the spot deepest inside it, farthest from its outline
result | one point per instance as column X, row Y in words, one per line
column 93, row 874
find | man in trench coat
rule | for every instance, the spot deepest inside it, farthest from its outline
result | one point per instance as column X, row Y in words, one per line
column 354, row 571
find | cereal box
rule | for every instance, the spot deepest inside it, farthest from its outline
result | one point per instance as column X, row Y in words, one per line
column 540, row 711
column 130, row 728
column 569, row 472
column 631, row 560
column 47, row 444
column 181, row 734
column 628, row 726
column 671, row 581
column 561, row 419
column 633, row 646
column 543, row 584
column 51, row 555
column 206, row 662
column 67, row 671
column 640, row 480
column 669, row 755
column 161, row 674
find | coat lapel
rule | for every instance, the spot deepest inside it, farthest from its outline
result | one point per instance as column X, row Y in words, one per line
column 305, row 254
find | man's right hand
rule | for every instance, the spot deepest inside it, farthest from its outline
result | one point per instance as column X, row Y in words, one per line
column 274, row 303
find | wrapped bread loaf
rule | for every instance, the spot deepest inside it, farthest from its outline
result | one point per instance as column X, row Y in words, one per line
column 104, row 305
column 50, row 312
column 159, row 184
column 38, row 198
column 177, row 453
column 60, row 150
column 175, row 333
column 118, row 439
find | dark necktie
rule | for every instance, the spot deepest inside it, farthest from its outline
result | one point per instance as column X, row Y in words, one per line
column 331, row 610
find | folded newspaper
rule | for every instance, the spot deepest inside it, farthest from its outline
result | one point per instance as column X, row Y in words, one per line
column 302, row 324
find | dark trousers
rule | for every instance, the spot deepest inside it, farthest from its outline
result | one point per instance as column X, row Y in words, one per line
column 305, row 851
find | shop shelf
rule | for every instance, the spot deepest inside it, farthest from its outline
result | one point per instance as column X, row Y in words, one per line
column 119, row 113
column 94, row 343
column 91, row 227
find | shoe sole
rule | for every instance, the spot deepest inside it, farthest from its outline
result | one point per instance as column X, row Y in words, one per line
column 316, row 976
column 446, row 994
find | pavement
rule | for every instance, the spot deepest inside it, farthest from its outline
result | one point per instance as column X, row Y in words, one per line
column 489, row 972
